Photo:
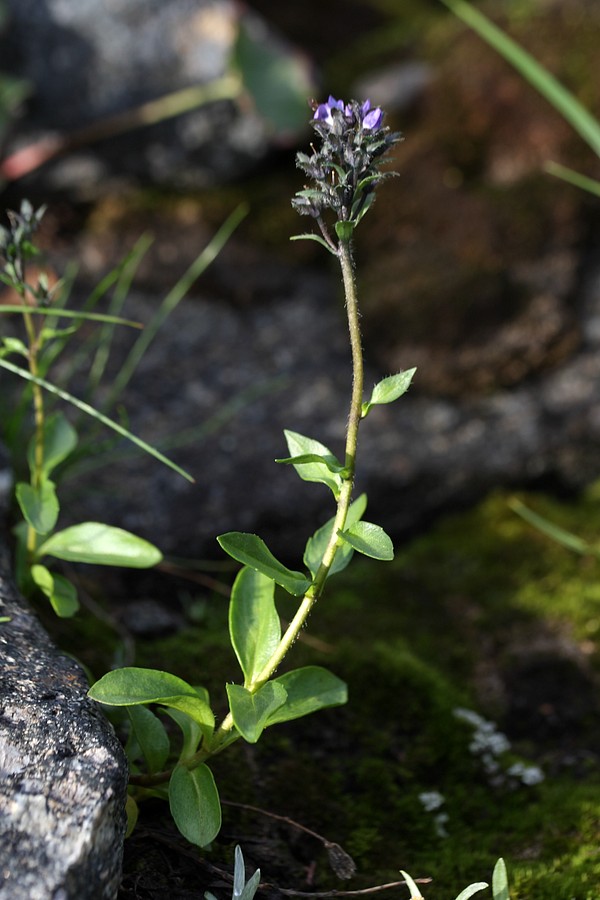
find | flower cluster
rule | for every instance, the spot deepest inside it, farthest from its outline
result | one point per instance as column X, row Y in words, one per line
column 345, row 170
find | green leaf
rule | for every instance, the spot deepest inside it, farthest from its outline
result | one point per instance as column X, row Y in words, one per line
column 314, row 237
column 333, row 464
column 563, row 100
column 500, row 881
column 39, row 505
column 315, row 547
column 60, row 439
column 133, row 686
column 277, row 79
column 321, row 464
column 308, row 690
column 191, row 731
column 472, row 889
column 14, row 345
column 344, row 230
column 48, row 334
column 369, row 539
column 357, row 216
column 251, row 712
column 132, row 812
column 389, row 389
column 251, row 551
column 194, row 803
column 254, row 625
column 90, row 411
column 104, row 545
column 61, row 593
column 151, row 736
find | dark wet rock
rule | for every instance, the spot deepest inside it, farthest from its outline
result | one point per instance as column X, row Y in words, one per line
column 63, row 772
column 148, row 618
column 241, row 376
column 88, row 61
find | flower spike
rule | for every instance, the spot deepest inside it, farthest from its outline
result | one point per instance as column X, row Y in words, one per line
column 345, row 170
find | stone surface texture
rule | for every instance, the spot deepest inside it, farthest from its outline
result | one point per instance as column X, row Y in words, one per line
column 242, row 376
column 63, row 774
column 88, row 60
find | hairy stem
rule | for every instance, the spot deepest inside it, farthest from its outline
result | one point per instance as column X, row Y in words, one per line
column 344, row 254
column 226, row 734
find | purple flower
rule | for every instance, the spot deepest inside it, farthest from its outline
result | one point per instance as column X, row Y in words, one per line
column 344, row 170
column 323, row 112
column 369, row 119
column 372, row 119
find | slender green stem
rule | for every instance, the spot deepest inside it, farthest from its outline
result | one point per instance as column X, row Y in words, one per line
column 38, row 412
column 345, row 496
column 225, row 734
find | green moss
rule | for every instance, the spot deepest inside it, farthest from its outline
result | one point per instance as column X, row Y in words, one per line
column 411, row 639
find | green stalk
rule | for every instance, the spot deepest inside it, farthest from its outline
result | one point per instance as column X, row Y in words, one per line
column 38, row 412
column 343, row 504
column 225, row 734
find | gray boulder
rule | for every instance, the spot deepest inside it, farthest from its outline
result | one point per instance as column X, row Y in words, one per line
column 63, row 773
column 87, row 61
column 241, row 376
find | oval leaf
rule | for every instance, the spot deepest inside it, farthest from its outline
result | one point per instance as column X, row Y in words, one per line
column 151, row 736
column 308, row 690
column 39, row 505
column 276, row 78
column 132, row 812
column 132, row 686
column 315, row 547
column 194, row 803
column 321, row 466
column 389, row 389
column 191, row 731
column 254, row 625
column 60, row 439
column 251, row 712
column 369, row 539
column 251, row 551
column 104, row 545
column 61, row 593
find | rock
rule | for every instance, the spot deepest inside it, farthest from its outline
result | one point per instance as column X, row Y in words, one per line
column 86, row 62
column 63, row 772
column 241, row 376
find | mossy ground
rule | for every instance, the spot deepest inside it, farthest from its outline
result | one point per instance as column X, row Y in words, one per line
column 465, row 616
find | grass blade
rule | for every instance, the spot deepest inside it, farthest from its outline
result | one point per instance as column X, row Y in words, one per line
column 104, row 339
column 172, row 300
column 90, row 411
column 575, row 178
column 70, row 314
column 548, row 86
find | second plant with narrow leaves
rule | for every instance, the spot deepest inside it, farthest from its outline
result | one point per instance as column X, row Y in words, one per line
column 344, row 174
